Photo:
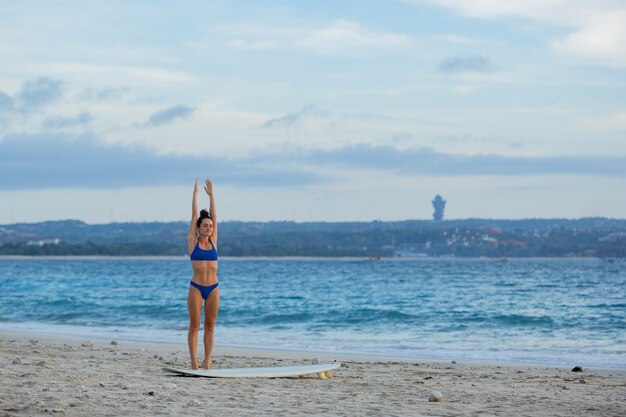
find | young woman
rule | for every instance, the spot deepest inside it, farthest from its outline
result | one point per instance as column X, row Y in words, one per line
column 202, row 249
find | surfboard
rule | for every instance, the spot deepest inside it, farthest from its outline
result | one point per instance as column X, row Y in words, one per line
column 322, row 370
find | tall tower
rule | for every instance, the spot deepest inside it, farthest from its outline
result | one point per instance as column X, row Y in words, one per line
column 439, row 204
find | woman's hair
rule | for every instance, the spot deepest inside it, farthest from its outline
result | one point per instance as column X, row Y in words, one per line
column 203, row 215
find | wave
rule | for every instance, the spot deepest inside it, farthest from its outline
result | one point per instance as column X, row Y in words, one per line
column 511, row 320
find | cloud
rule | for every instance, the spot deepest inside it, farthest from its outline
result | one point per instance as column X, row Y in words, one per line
column 466, row 64
column 341, row 37
column 39, row 92
column 596, row 30
column 464, row 89
column 307, row 112
column 490, row 9
column 139, row 74
column 6, row 102
column 42, row 161
column 346, row 36
column 603, row 40
column 67, row 121
column 425, row 161
column 456, row 39
column 169, row 115
column 251, row 44
column 615, row 122
column 102, row 94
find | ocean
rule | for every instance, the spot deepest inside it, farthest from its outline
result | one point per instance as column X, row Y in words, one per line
column 545, row 311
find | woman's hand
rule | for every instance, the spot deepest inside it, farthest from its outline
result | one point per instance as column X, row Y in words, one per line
column 195, row 188
column 208, row 187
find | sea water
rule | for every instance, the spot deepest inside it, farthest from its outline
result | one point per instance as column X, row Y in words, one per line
column 552, row 311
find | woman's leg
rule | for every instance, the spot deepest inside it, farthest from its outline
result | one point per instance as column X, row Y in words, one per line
column 210, row 315
column 194, row 304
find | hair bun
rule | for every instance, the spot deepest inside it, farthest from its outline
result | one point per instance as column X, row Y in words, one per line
column 204, row 213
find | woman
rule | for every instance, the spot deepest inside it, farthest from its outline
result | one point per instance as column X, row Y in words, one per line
column 202, row 248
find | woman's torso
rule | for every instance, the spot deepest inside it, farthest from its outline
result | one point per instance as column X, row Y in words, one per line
column 204, row 267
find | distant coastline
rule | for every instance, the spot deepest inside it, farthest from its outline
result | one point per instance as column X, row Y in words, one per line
column 413, row 239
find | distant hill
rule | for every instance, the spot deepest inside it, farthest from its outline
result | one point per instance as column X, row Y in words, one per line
column 410, row 238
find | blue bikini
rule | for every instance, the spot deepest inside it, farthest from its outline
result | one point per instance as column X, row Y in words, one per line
column 204, row 290
column 200, row 254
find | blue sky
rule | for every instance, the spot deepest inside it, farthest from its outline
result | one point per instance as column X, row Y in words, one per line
column 325, row 110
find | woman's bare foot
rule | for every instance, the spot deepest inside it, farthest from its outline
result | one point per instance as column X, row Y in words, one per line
column 206, row 364
column 194, row 363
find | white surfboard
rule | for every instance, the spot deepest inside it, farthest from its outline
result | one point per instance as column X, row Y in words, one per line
column 322, row 370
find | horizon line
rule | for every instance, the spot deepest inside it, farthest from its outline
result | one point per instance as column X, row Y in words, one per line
column 336, row 222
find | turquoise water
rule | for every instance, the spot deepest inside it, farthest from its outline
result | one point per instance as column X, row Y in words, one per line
column 559, row 311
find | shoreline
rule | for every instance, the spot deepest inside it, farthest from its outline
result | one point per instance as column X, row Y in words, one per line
column 282, row 353
column 74, row 376
column 178, row 341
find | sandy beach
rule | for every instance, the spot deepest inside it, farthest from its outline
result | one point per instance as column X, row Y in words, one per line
column 69, row 376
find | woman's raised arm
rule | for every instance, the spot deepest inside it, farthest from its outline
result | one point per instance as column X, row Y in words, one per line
column 208, row 187
column 191, row 234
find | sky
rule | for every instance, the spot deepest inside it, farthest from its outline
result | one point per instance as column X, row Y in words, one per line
column 312, row 111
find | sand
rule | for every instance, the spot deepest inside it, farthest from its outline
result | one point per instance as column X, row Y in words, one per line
column 69, row 376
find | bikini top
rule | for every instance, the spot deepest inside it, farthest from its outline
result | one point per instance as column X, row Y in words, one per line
column 200, row 254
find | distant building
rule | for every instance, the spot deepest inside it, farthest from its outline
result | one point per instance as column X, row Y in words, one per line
column 439, row 204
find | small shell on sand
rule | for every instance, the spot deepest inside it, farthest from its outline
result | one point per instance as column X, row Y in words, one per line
column 170, row 386
column 114, row 342
column 17, row 360
column 89, row 343
column 435, row 397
